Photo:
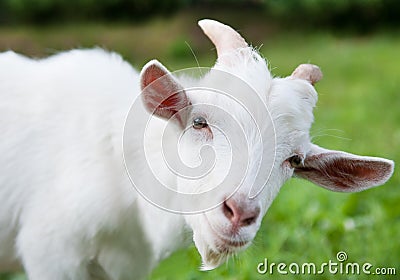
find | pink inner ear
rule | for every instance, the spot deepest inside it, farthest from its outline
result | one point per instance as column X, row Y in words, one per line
column 343, row 172
column 351, row 173
column 162, row 95
column 153, row 72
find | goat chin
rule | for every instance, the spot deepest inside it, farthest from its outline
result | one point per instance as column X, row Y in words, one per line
column 212, row 259
column 213, row 246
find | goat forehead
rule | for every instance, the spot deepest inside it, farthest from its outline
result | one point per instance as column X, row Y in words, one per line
column 228, row 115
column 247, row 71
column 236, row 93
column 215, row 104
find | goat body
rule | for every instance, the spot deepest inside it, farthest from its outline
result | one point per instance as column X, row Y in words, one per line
column 66, row 201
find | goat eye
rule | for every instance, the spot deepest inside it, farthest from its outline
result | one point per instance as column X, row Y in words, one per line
column 199, row 123
column 295, row 161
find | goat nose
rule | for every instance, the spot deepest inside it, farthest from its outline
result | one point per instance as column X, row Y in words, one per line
column 240, row 214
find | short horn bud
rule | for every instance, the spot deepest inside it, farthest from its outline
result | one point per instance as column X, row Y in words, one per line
column 308, row 72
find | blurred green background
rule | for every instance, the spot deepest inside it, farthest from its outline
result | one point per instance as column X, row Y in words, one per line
column 356, row 44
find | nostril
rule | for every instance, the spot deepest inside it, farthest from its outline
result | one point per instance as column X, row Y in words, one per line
column 248, row 221
column 228, row 211
column 251, row 218
column 240, row 215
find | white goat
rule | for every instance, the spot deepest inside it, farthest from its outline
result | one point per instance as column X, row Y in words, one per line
column 67, row 207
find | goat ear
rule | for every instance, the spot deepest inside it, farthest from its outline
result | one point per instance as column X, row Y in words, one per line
column 343, row 172
column 162, row 94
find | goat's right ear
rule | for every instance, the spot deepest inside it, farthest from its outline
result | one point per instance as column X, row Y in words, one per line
column 162, row 94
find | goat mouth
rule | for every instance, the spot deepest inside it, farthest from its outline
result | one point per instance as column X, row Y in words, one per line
column 221, row 250
column 225, row 244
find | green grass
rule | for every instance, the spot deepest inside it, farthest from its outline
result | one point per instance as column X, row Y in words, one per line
column 358, row 111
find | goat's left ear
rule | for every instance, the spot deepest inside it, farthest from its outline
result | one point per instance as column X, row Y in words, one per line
column 343, row 172
column 162, row 94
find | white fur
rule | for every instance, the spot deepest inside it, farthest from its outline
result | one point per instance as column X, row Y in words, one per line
column 65, row 197
column 66, row 200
